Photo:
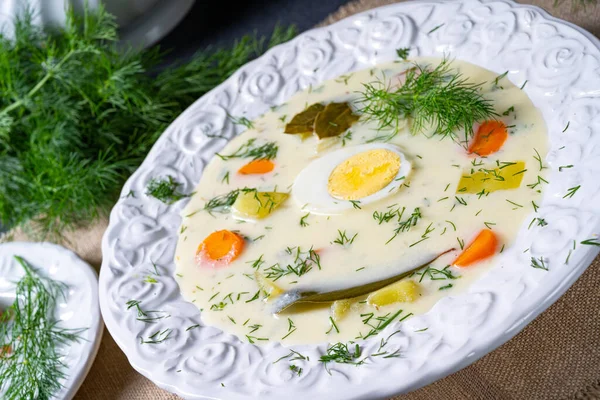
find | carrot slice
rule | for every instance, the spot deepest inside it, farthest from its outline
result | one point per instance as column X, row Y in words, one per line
column 220, row 248
column 257, row 167
column 489, row 138
column 482, row 247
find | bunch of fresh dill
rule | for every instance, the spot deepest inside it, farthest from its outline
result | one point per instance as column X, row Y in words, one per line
column 31, row 365
column 77, row 115
column 439, row 98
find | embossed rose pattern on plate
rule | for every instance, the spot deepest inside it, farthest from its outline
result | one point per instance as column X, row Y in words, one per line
column 558, row 63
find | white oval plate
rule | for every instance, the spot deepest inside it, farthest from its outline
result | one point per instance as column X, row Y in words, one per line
column 560, row 64
column 80, row 309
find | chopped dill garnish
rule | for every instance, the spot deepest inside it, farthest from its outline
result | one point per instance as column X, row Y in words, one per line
column 523, row 85
column 344, row 79
column 333, row 326
column 146, row 316
column 255, row 297
column 566, row 127
column 291, row 328
column 302, row 263
column 541, row 222
column 382, row 322
column 448, row 286
column 294, row 357
column 403, row 53
column 252, row 339
column 591, row 242
column 539, row 182
column 489, row 224
column 424, row 236
column 538, row 158
column 461, row 243
column 31, row 360
column 341, row 353
column 296, row 369
column 346, row 137
column 571, row 192
column 256, row 264
column 461, row 200
column 189, row 328
column 535, row 206
column 267, row 151
column 303, row 222
column 564, row 167
column 241, row 121
column 165, row 190
column 438, row 97
column 539, row 263
column 225, row 178
column 405, row 226
column 392, row 213
column 509, row 110
column 435, row 29
column 514, row 204
column 435, row 274
column 343, row 239
column 157, row 337
column 222, row 203
column 355, row 204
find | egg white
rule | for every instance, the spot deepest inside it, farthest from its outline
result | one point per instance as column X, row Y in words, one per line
column 310, row 186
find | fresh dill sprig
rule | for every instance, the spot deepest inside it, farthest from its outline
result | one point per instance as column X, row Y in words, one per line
column 267, row 151
column 79, row 114
column 31, row 360
column 439, row 98
column 165, row 190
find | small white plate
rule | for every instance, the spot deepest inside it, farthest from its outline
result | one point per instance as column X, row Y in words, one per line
column 80, row 309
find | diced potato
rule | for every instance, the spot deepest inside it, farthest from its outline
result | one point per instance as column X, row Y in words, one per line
column 267, row 286
column 399, row 292
column 339, row 309
column 256, row 205
column 490, row 179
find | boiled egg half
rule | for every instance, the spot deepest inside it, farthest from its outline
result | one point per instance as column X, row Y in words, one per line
column 350, row 177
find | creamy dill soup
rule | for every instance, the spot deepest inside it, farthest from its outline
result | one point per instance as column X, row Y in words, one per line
column 349, row 184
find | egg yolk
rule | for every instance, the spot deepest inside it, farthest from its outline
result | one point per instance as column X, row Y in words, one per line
column 363, row 174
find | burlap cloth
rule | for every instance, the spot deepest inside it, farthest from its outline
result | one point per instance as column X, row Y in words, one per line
column 556, row 357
